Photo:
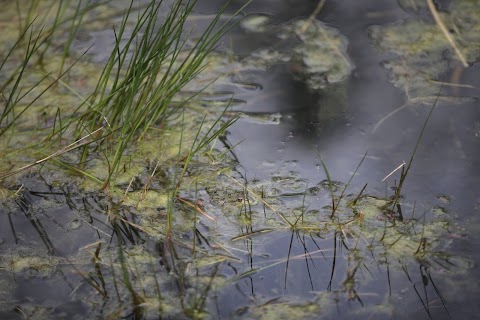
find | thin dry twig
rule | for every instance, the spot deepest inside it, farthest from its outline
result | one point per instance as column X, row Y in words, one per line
column 70, row 147
column 196, row 207
column 312, row 16
column 254, row 194
column 131, row 223
column 128, row 188
column 394, row 170
column 147, row 185
column 419, row 100
column 445, row 32
column 455, row 85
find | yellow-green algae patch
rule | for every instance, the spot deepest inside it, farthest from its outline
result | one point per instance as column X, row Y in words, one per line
column 142, row 200
column 255, row 22
column 322, row 53
column 282, row 310
column 386, row 233
column 319, row 56
column 145, row 278
column 422, row 52
column 29, row 264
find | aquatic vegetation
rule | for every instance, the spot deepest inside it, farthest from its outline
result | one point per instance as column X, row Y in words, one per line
column 276, row 309
column 255, row 23
column 319, row 42
column 132, row 202
column 319, row 55
column 421, row 52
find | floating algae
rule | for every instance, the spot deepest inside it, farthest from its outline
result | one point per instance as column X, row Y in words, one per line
column 281, row 310
column 318, row 57
column 322, row 55
column 127, row 266
column 255, row 23
column 421, row 52
column 29, row 264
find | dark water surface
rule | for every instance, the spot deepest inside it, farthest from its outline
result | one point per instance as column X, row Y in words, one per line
column 446, row 162
column 291, row 274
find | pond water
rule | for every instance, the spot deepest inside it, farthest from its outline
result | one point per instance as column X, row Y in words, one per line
column 273, row 251
column 446, row 163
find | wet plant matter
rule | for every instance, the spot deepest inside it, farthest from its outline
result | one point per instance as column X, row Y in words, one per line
column 132, row 201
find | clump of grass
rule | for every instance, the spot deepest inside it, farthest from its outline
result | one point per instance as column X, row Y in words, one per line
column 138, row 85
column 11, row 89
column 144, row 73
column 25, row 80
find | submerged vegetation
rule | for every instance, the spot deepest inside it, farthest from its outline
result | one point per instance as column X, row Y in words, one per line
column 138, row 205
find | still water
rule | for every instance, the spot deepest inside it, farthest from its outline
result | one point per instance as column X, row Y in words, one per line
column 446, row 163
column 424, row 265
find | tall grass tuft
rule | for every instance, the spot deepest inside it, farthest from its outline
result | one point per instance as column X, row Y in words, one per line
column 36, row 32
column 11, row 89
column 144, row 72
